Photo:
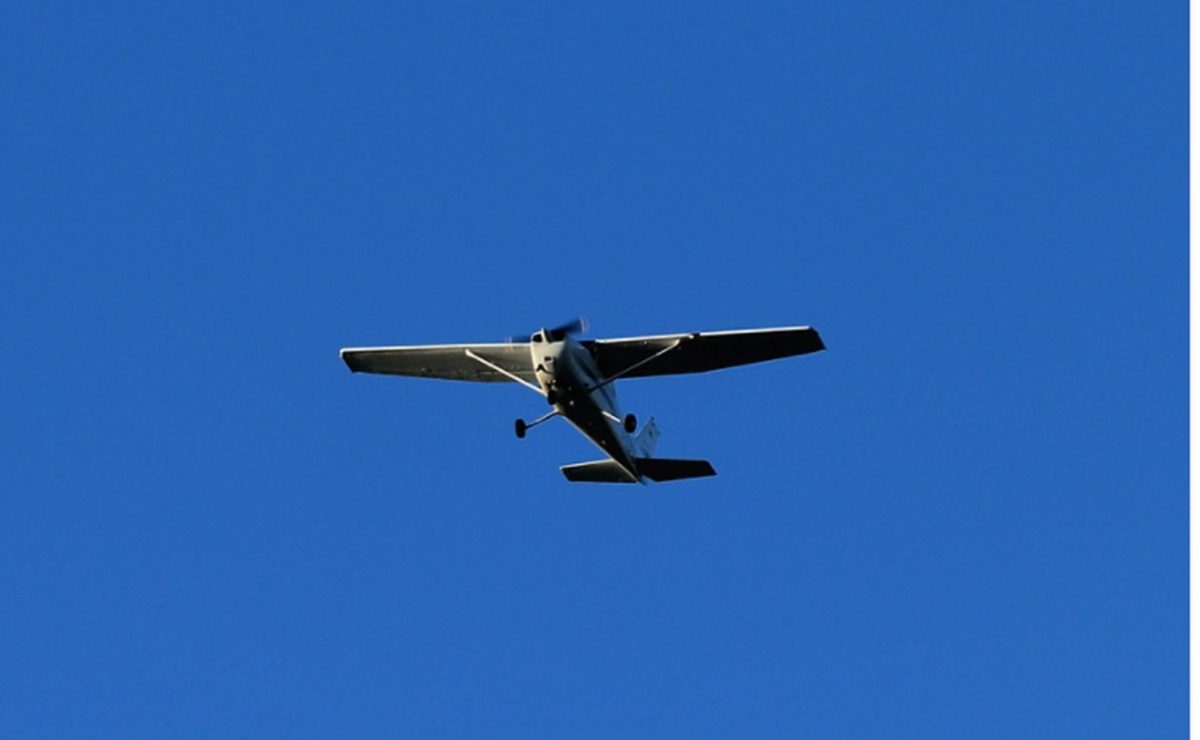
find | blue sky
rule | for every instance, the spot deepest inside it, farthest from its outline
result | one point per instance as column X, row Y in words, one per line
column 967, row 518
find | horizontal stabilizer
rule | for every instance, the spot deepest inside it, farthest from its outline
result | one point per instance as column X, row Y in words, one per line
column 655, row 468
column 664, row 469
column 600, row 471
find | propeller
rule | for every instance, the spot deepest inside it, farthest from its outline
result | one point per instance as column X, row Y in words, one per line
column 558, row 333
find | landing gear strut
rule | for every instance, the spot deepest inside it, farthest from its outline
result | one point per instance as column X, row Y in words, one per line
column 523, row 426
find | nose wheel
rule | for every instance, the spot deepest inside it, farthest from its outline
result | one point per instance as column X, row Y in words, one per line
column 522, row 427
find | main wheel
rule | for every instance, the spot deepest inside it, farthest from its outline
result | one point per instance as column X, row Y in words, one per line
column 630, row 423
column 551, row 397
column 521, row 428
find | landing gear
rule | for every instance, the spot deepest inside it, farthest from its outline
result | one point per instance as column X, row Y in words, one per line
column 523, row 426
column 551, row 397
column 630, row 423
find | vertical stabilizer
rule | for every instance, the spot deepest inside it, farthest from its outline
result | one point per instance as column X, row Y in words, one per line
column 647, row 439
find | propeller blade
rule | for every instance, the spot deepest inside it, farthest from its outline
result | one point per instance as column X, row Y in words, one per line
column 558, row 333
column 575, row 326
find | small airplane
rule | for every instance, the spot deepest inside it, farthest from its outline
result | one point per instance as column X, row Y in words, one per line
column 576, row 378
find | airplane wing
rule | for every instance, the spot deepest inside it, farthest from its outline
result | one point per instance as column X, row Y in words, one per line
column 448, row 361
column 701, row 352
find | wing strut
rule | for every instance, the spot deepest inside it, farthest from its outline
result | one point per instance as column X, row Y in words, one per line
column 505, row 373
column 670, row 347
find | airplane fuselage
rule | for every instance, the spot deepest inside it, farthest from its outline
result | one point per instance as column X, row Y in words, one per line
column 575, row 387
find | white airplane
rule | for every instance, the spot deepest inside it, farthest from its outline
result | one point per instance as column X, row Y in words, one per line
column 576, row 378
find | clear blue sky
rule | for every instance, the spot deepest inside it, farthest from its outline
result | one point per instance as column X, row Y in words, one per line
column 968, row 518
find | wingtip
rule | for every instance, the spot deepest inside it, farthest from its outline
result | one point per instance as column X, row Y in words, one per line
column 351, row 361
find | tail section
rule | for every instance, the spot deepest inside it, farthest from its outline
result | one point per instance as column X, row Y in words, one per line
column 657, row 469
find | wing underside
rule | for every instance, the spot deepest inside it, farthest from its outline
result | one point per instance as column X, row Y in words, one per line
column 701, row 352
column 446, row 361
